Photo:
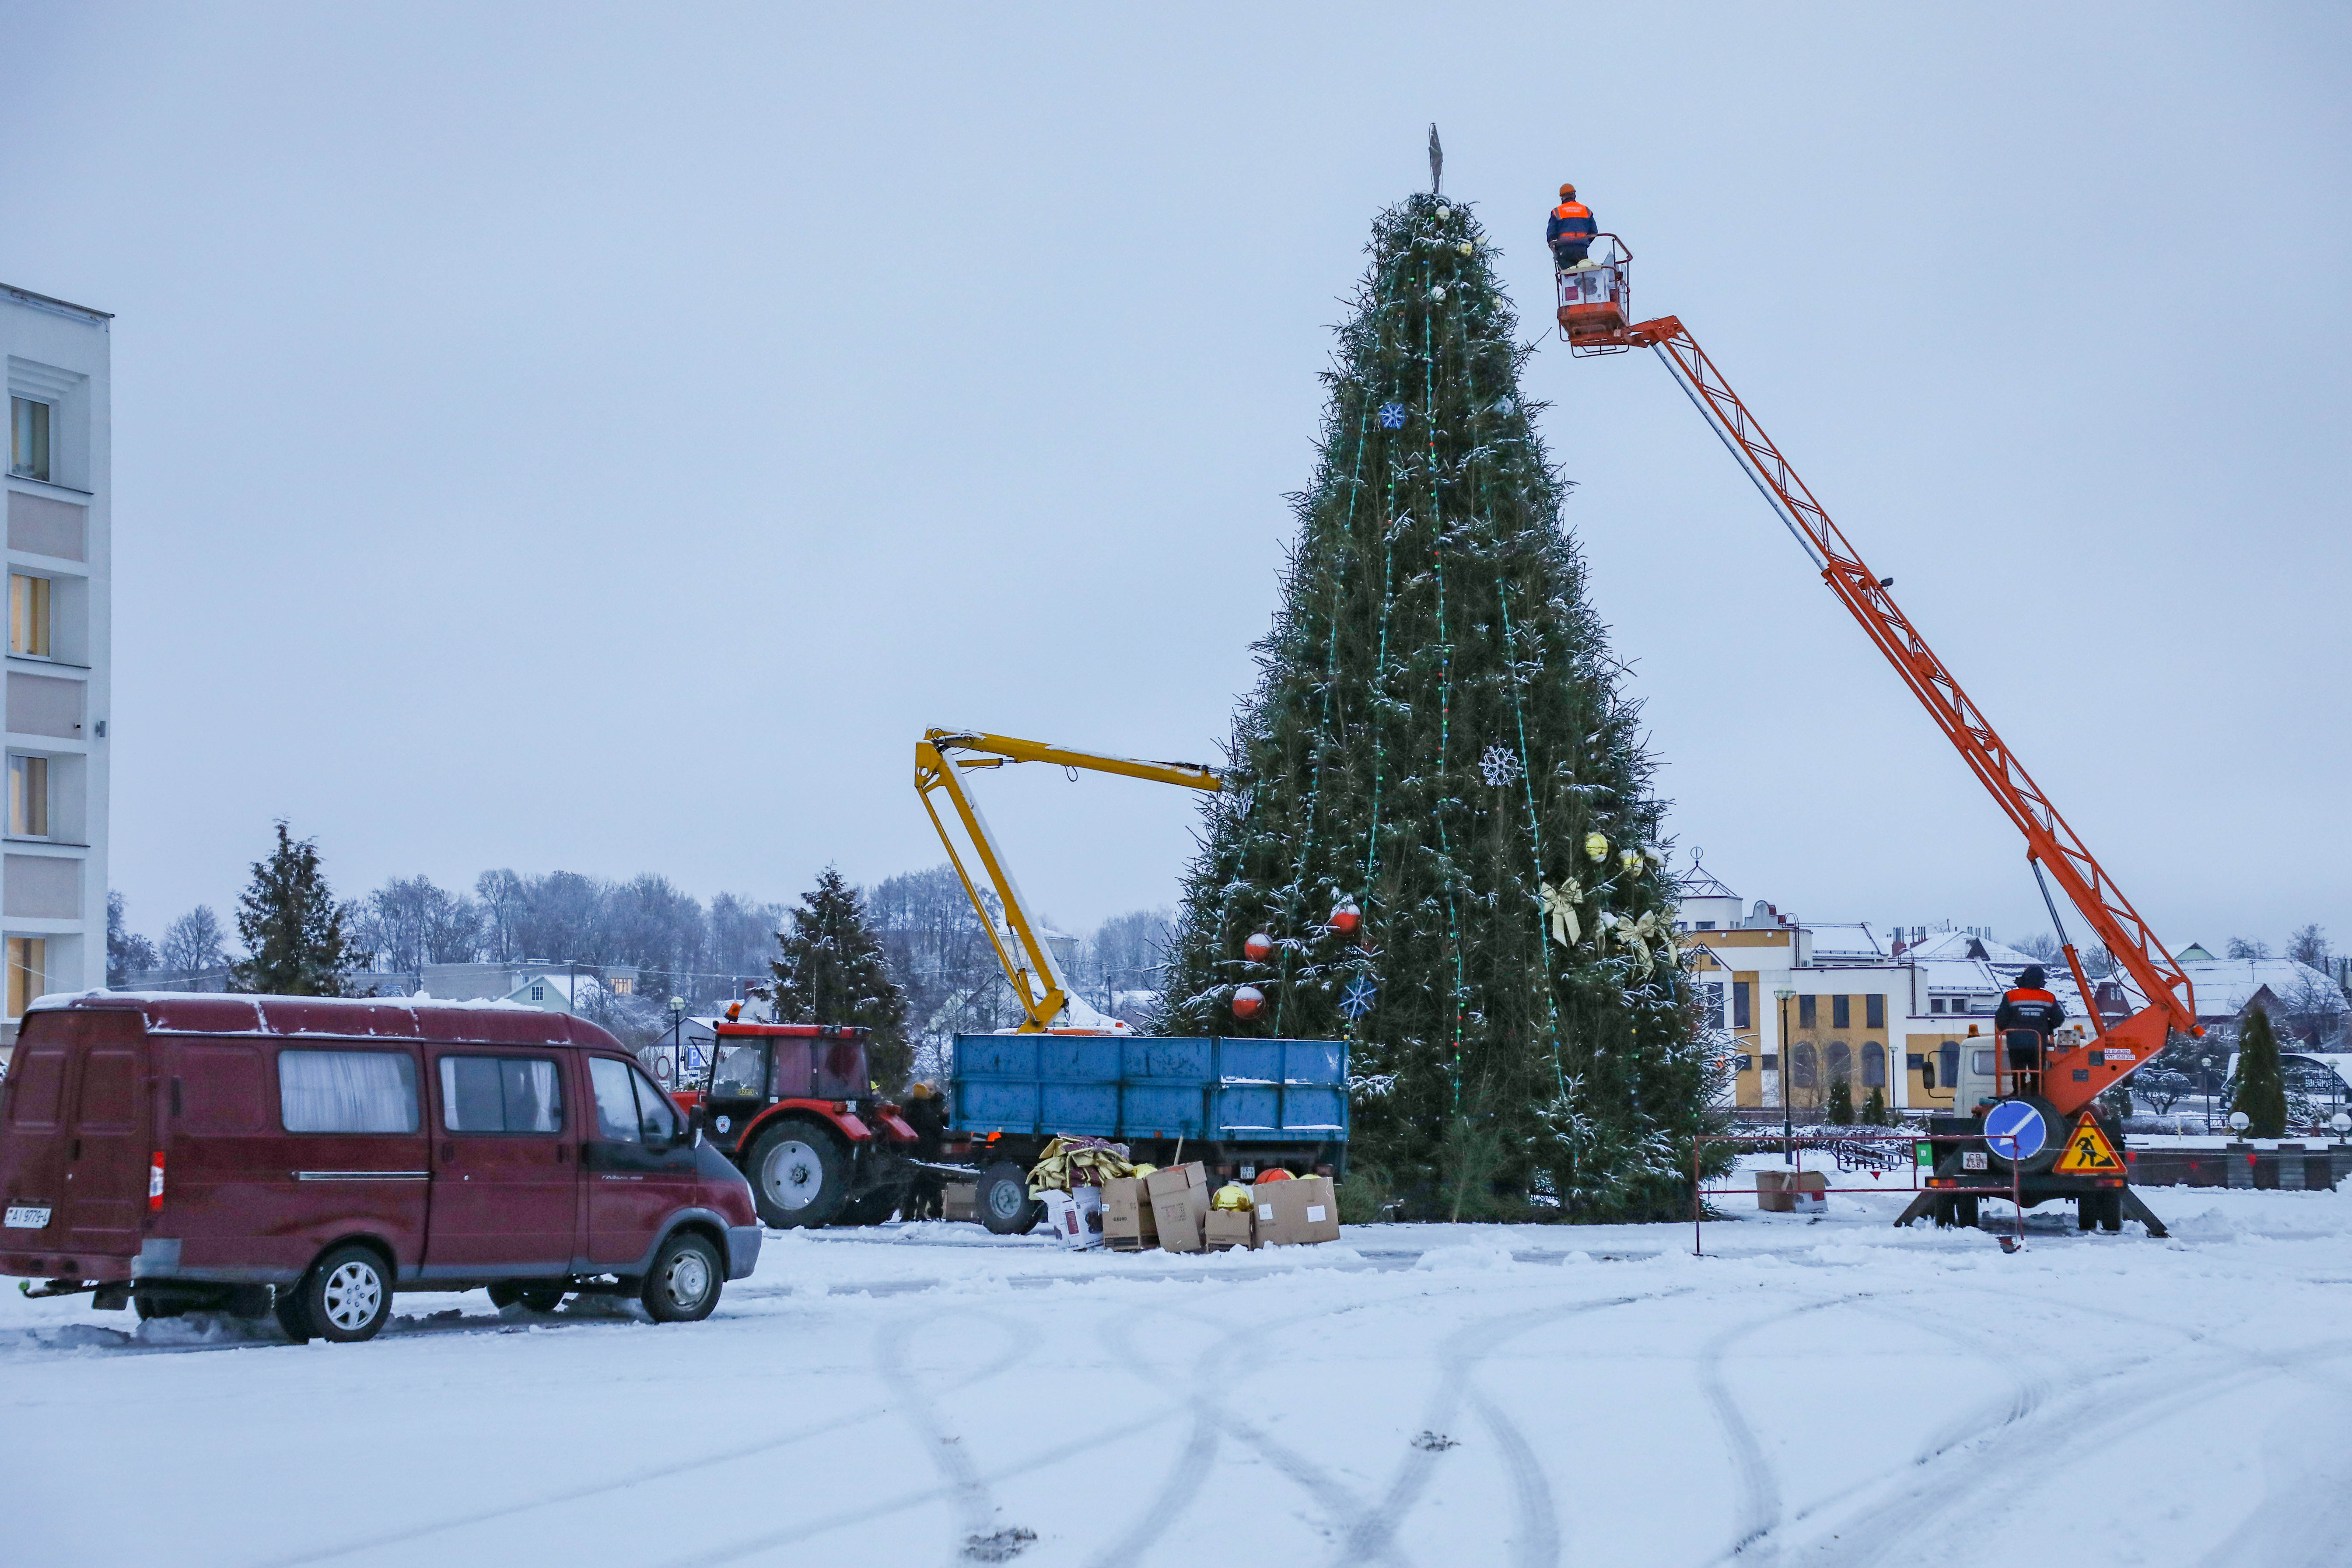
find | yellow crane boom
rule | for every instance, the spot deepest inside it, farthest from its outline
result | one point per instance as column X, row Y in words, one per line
column 1037, row 980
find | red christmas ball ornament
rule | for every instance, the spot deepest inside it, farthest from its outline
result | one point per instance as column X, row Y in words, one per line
column 1257, row 947
column 1276, row 1175
column 1247, row 1000
column 1346, row 916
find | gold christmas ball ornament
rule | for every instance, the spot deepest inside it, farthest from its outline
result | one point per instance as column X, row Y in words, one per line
column 1443, row 214
column 1596, row 846
column 1631, row 861
column 1465, row 247
column 1232, row 1198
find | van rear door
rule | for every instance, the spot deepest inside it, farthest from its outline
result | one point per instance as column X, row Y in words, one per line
column 34, row 1138
column 108, row 1149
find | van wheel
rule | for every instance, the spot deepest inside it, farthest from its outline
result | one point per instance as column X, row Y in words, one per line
column 798, row 1176
column 683, row 1284
column 347, row 1295
column 542, row 1297
column 287, row 1307
column 149, row 1307
column 1004, row 1200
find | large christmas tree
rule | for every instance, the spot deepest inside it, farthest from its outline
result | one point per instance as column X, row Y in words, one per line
column 1440, row 808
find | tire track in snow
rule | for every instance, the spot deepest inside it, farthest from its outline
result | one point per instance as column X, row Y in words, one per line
column 2098, row 1403
column 1017, row 1350
column 1212, row 1423
column 1464, row 1348
column 1535, row 1543
column 1757, row 1510
column 969, row 1492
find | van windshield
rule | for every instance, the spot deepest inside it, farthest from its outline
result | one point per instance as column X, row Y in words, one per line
column 742, row 1070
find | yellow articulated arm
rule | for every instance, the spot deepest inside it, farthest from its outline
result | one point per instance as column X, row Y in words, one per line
column 1037, row 980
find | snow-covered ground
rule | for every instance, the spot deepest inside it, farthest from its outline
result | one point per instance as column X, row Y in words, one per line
column 1821, row 1391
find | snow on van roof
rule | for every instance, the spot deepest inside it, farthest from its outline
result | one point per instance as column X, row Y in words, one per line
column 388, row 1017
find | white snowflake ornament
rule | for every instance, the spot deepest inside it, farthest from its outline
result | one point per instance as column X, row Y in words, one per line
column 1499, row 765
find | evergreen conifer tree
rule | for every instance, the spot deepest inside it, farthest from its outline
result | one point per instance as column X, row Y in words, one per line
column 1840, row 1105
column 290, row 925
column 2258, row 1087
column 832, row 970
column 1438, row 754
column 1873, row 1108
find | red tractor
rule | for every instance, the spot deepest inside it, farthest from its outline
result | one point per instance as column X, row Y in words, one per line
column 792, row 1106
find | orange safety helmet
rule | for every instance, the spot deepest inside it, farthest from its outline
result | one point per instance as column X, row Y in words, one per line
column 1566, row 193
column 1275, row 1174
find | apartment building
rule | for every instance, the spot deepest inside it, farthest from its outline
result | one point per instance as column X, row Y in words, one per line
column 53, row 870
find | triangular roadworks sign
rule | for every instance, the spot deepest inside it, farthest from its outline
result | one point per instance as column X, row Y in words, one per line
column 2088, row 1152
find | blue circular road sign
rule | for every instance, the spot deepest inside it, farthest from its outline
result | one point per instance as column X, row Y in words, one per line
column 2015, row 1130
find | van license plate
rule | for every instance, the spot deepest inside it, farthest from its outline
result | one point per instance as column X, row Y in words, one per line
column 21, row 1217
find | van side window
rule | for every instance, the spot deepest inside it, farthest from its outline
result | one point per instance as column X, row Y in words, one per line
column 616, row 1103
column 220, row 1088
column 500, row 1094
column 347, row 1091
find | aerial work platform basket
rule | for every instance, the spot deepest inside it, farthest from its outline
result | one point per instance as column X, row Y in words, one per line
column 1594, row 299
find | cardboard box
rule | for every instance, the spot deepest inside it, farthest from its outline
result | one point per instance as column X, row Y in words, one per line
column 1179, row 1205
column 1128, row 1224
column 1793, row 1192
column 1075, row 1217
column 1229, row 1228
column 960, row 1200
column 1296, row 1213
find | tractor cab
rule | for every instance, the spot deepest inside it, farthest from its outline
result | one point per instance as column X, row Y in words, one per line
column 1594, row 310
column 755, row 1066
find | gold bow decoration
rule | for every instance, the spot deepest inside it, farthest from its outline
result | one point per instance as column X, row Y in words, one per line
column 1559, row 908
column 1638, row 935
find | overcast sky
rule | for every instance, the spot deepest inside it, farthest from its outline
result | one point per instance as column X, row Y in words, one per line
column 605, row 438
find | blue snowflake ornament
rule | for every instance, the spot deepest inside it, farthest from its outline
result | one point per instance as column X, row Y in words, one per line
column 1392, row 415
column 1356, row 1000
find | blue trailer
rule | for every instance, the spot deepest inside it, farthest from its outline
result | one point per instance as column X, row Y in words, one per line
column 1239, row 1106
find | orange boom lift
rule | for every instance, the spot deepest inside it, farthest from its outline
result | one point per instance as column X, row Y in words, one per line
column 1595, row 318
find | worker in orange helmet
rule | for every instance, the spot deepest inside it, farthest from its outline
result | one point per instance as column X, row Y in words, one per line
column 2028, row 1015
column 1570, row 230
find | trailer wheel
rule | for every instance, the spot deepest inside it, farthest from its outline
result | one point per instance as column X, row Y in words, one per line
column 1004, row 1200
column 798, row 1175
column 2111, row 1209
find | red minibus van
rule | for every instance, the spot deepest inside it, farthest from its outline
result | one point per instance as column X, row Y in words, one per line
column 310, row 1156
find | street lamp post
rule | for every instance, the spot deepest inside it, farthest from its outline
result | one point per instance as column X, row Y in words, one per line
column 1788, row 1117
column 677, row 1040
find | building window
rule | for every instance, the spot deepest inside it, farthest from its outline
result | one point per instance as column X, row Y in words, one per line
column 1949, row 1056
column 623, row 985
column 1874, row 1012
column 1711, row 994
column 1740, row 991
column 28, row 437
column 1840, row 1012
column 1935, row 1005
column 1806, row 1011
column 1803, row 1068
column 28, row 796
column 28, row 614
column 538, row 990
column 1874, row 1065
column 1706, row 925
column 28, row 971
column 1841, row 1057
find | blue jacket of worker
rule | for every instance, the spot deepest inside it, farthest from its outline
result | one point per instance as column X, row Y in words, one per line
column 1571, row 224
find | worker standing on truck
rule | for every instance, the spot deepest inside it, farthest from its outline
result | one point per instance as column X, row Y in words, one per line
column 927, row 1115
column 2028, row 1015
column 1570, row 230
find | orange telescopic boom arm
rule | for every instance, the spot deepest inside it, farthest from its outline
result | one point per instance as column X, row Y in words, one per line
column 2069, row 1085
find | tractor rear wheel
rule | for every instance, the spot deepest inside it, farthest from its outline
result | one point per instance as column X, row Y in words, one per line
column 1004, row 1200
column 799, row 1174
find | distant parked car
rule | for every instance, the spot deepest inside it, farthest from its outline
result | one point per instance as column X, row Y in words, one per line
column 312, row 1157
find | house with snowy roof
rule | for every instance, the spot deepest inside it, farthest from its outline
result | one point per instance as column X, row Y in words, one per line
column 2305, row 1005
